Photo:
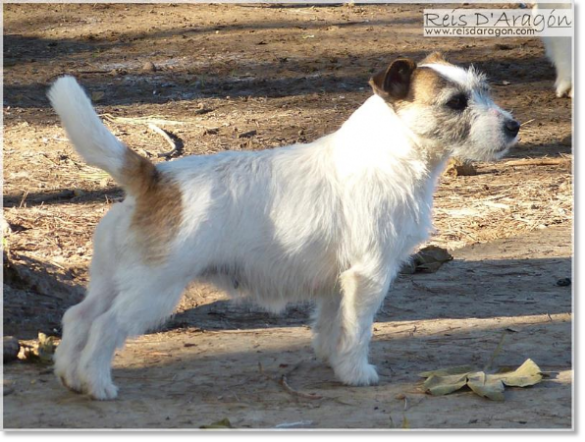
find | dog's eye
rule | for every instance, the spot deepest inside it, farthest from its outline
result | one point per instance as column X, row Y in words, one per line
column 458, row 102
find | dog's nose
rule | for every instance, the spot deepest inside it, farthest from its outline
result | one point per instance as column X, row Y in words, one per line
column 511, row 127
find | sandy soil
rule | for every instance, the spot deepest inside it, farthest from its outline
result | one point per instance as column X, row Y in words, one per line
column 251, row 77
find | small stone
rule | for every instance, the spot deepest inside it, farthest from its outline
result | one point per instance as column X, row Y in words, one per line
column 149, row 67
column 11, row 348
column 564, row 282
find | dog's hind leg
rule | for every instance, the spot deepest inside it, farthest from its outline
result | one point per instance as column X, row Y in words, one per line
column 362, row 293
column 145, row 301
column 76, row 324
column 100, row 296
column 558, row 50
column 326, row 326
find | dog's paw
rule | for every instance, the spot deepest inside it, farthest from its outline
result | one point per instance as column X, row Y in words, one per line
column 564, row 89
column 98, row 383
column 358, row 375
column 70, row 382
column 66, row 373
column 103, row 392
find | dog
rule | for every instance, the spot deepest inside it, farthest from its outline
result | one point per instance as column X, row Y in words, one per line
column 559, row 52
column 330, row 221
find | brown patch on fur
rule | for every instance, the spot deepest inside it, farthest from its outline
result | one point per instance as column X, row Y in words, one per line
column 138, row 173
column 426, row 83
column 158, row 211
column 425, row 86
column 435, row 57
column 405, row 83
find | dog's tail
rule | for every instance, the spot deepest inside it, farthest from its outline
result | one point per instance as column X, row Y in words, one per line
column 94, row 142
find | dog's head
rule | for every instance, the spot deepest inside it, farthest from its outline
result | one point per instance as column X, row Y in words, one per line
column 447, row 107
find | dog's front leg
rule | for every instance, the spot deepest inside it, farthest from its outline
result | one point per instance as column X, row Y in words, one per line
column 362, row 292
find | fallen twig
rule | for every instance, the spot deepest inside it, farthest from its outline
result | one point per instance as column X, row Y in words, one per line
column 174, row 141
column 289, row 389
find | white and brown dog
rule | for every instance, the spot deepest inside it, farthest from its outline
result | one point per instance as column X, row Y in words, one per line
column 331, row 221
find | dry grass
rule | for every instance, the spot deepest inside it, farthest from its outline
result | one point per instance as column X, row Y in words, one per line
column 483, row 208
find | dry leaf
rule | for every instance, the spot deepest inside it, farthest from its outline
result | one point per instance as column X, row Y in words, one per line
column 457, row 167
column 447, row 380
column 527, row 374
column 40, row 352
column 427, row 260
column 46, row 348
column 486, row 386
column 442, row 385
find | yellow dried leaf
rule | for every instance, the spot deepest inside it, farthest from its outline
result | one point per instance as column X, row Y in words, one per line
column 442, row 385
column 486, row 386
column 491, row 386
column 524, row 376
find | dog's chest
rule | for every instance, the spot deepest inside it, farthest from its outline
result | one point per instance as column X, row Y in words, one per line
column 404, row 216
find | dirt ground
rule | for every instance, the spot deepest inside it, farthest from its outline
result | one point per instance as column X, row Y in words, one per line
column 250, row 77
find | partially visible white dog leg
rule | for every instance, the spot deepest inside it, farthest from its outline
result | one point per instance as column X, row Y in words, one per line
column 558, row 50
column 326, row 326
column 100, row 296
column 76, row 324
column 146, row 303
column 362, row 294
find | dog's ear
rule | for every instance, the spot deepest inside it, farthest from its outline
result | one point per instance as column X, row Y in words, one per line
column 393, row 83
